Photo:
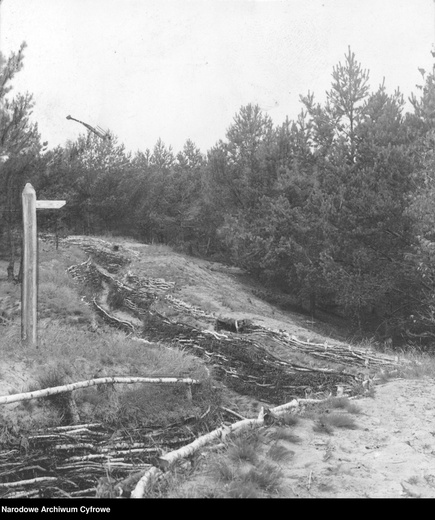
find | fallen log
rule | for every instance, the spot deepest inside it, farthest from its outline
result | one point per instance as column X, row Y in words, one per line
column 26, row 396
column 28, row 482
column 186, row 451
column 164, row 462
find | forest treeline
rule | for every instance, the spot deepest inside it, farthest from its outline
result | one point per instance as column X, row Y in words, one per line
column 336, row 207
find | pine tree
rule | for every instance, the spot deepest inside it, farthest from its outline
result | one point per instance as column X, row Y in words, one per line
column 20, row 147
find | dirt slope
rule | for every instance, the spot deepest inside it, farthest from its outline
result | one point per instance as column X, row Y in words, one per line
column 214, row 288
column 390, row 454
column 392, row 451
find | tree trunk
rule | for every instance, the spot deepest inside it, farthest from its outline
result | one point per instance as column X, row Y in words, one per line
column 313, row 304
column 9, row 220
column 20, row 272
column 56, row 231
column 10, row 268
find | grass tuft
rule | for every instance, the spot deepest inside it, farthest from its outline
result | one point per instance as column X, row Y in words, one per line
column 327, row 422
column 279, row 453
column 284, row 434
column 53, row 376
column 246, row 489
column 290, row 419
column 58, row 297
column 353, row 408
column 243, row 449
column 343, row 403
column 418, row 365
column 222, row 469
column 321, row 426
column 265, row 475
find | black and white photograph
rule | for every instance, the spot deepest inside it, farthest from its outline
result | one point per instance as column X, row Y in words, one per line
column 217, row 251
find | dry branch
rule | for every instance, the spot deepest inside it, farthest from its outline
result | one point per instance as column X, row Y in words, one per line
column 232, row 412
column 28, row 482
column 24, row 494
column 26, row 396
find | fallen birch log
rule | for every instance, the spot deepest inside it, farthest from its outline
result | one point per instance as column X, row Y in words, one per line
column 26, row 396
column 282, row 409
column 167, row 460
column 170, row 458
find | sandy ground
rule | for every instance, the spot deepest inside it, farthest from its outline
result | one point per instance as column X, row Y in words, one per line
column 390, row 455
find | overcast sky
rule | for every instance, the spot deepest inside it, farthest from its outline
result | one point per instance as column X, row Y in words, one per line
column 179, row 69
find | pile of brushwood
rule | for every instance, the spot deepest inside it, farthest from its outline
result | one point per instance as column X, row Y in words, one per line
column 70, row 460
column 234, row 349
column 246, row 367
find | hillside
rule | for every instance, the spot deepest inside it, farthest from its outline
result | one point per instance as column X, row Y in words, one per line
column 131, row 309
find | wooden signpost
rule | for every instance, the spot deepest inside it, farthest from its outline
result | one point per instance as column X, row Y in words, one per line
column 29, row 289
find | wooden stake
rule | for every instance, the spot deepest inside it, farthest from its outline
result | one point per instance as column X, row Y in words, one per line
column 29, row 287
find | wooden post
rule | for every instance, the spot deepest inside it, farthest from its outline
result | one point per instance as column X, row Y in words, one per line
column 29, row 287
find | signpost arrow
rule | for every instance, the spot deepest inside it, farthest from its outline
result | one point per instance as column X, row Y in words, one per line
column 50, row 204
column 29, row 289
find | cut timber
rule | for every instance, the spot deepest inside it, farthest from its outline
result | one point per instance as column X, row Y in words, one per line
column 6, row 399
column 233, row 325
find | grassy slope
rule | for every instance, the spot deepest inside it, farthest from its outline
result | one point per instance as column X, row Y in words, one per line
column 71, row 350
column 222, row 291
column 68, row 344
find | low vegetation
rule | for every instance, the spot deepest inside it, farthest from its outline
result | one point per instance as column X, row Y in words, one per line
column 326, row 423
column 74, row 349
column 248, row 467
column 70, row 349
